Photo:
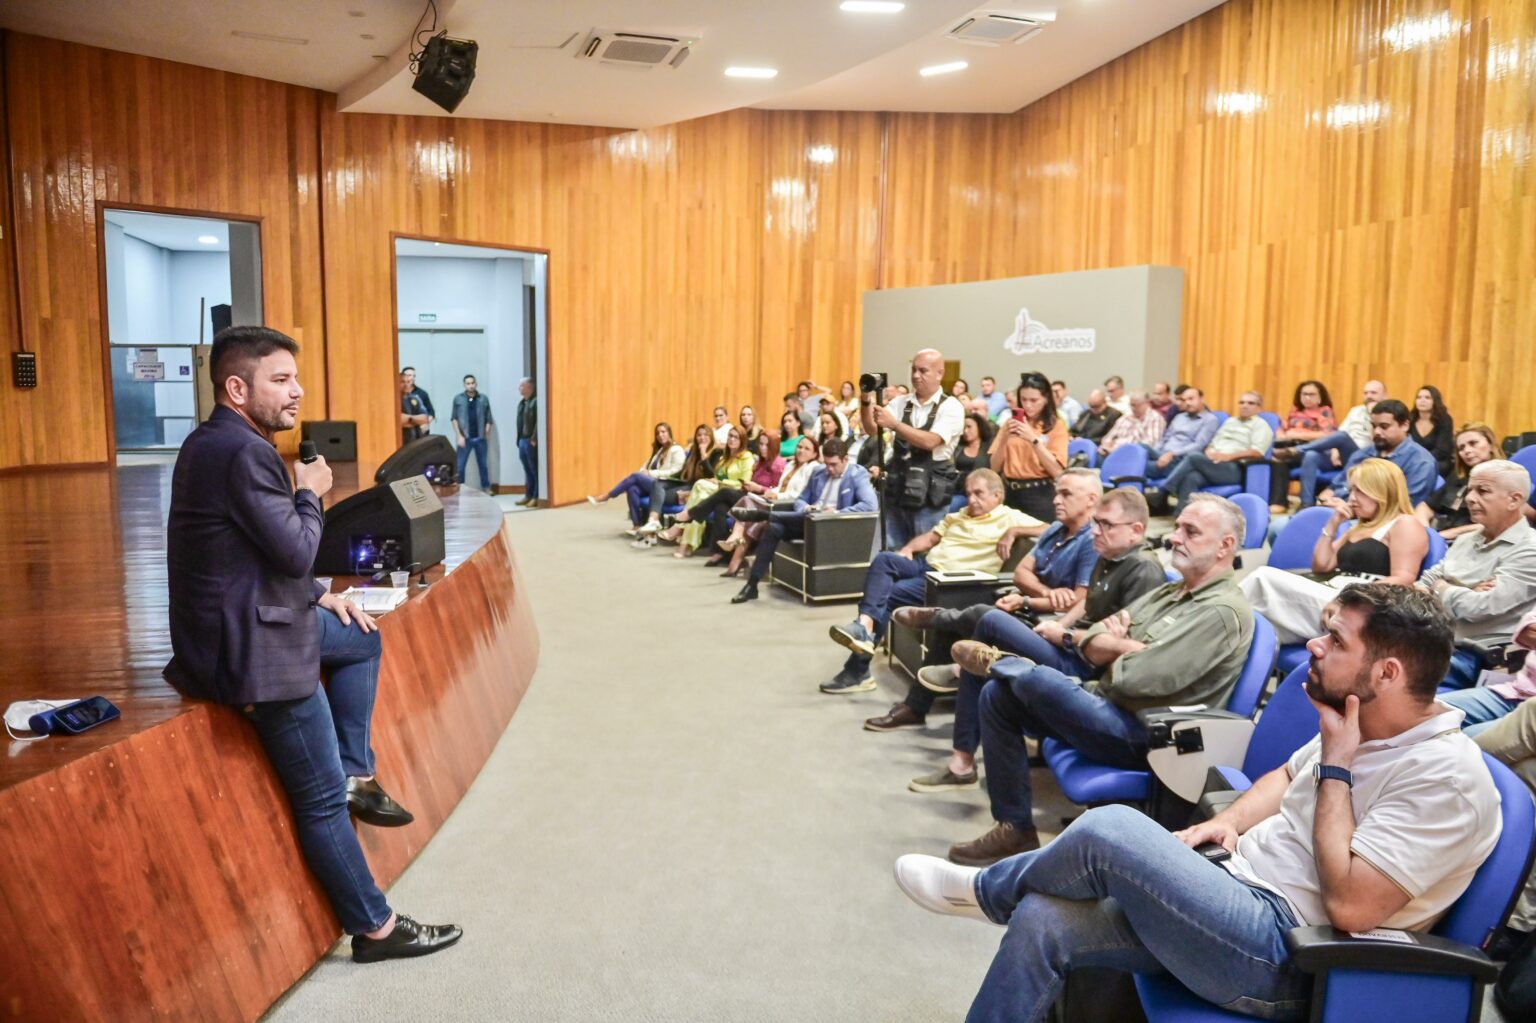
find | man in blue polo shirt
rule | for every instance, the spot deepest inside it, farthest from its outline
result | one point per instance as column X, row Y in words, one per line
column 1051, row 578
column 1390, row 423
column 1191, row 430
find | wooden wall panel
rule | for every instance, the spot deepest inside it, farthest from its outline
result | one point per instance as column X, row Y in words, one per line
column 1348, row 185
column 90, row 126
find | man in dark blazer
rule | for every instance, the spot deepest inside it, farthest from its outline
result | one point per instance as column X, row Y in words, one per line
column 251, row 628
column 836, row 486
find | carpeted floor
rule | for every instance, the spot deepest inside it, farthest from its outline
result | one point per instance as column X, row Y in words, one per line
column 677, row 825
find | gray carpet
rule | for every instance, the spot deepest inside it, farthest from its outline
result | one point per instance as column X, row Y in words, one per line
column 677, row 825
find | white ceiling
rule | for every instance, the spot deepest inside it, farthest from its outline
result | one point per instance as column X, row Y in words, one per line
column 168, row 231
column 527, row 69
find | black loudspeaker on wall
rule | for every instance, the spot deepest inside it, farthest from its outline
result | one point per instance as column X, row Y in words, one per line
column 223, row 316
column 446, row 71
column 336, row 439
column 431, row 456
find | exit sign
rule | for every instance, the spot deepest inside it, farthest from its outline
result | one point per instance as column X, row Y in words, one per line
column 426, row 317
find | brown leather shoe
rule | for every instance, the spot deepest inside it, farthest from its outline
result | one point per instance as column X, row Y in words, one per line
column 914, row 617
column 1003, row 841
column 975, row 657
column 900, row 716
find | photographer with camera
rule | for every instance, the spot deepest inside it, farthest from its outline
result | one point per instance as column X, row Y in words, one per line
column 920, row 476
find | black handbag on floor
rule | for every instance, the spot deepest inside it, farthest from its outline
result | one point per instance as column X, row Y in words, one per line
column 1515, row 990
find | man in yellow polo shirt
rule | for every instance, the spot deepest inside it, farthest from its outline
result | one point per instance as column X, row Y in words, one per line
column 967, row 540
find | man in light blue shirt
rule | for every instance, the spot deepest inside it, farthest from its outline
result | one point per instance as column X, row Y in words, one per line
column 1192, row 430
column 1390, row 423
column 1068, row 407
column 996, row 400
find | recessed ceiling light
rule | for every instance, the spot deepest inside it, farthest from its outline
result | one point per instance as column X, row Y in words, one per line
column 207, row 239
column 265, row 38
column 751, row 72
column 943, row 69
column 872, row 6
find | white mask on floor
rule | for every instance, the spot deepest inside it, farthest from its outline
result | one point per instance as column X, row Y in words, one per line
column 18, row 717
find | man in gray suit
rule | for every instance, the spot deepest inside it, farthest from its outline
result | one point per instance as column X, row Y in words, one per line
column 251, row 628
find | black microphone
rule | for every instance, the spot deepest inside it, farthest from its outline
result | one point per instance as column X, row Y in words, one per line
column 307, row 452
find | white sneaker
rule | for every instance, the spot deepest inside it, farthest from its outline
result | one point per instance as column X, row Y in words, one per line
column 591, row 499
column 631, row 532
column 644, row 542
column 939, row 886
column 651, row 528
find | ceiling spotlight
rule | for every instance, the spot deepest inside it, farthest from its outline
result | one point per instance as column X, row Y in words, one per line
column 207, row 239
column 751, row 72
column 872, row 6
column 943, row 69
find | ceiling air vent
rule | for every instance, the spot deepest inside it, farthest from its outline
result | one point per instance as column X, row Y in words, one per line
column 991, row 29
column 636, row 50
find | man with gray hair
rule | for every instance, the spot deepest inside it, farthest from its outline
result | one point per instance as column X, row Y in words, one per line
column 1245, row 435
column 1143, row 425
column 1183, row 643
column 970, row 539
column 1487, row 579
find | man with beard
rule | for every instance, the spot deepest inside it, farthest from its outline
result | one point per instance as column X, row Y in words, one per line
column 1183, row 643
column 1379, row 821
column 251, row 628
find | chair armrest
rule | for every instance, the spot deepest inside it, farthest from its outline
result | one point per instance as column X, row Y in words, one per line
column 1488, row 654
column 1183, row 746
column 1115, row 481
column 1320, row 949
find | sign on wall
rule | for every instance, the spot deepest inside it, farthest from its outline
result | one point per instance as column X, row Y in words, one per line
column 1030, row 337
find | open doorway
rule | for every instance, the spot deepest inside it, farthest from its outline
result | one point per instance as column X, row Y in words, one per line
column 479, row 311
column 171, row 281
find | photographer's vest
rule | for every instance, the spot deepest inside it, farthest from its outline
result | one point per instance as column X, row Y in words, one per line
column 906, row 460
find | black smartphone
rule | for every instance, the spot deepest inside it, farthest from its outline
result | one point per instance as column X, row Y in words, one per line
column 86, row 714
column 1214, row 851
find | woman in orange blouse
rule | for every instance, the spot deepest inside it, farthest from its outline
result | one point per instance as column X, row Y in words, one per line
column 1030, row 449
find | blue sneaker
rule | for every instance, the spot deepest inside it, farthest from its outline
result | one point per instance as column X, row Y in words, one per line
column 847, row 682
column 855, row 637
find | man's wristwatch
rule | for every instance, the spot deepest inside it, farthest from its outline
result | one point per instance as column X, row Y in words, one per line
column 1326, row 772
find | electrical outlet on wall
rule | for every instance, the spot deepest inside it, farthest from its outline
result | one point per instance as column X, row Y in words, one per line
column 24, row 369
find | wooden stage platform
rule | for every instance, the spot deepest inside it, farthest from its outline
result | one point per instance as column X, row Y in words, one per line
column 148, row 868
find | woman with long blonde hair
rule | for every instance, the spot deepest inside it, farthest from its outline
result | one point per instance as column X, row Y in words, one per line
column 1386, row 543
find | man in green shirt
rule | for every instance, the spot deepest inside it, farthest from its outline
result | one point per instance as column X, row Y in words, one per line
column 1183, row 643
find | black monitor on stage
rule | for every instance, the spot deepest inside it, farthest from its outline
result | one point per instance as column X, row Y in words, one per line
column 387, row 528
column 431, row 456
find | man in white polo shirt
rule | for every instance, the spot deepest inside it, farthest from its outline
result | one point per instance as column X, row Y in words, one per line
column 1379, row 821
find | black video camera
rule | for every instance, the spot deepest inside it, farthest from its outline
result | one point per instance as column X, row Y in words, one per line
column 873, row 383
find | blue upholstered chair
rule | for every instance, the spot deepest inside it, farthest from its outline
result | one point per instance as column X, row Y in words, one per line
column 1087, row 448
column 1293, row 547
column 1440, row 976
column 1126, row 466
column 1255, row 475
column 1256, row 514
column 1088, row 783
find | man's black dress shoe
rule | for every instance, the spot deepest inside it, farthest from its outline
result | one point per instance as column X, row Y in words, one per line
column 748, row 592
column 372, row 805
column 750, row 515
column 408, row 939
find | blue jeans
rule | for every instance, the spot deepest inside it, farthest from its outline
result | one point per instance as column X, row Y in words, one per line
column 902, row 524
column 1153, row 472
column 528, row 453
column 1004, row 631
column 890, row 582
column 314, row 744
column 1195, row 471
column 1023, row 696
column 477, row 445
column 1314, row 460
column 635, row 487
column 1482, row 707
column 1172, row 911
column 1463, row 671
